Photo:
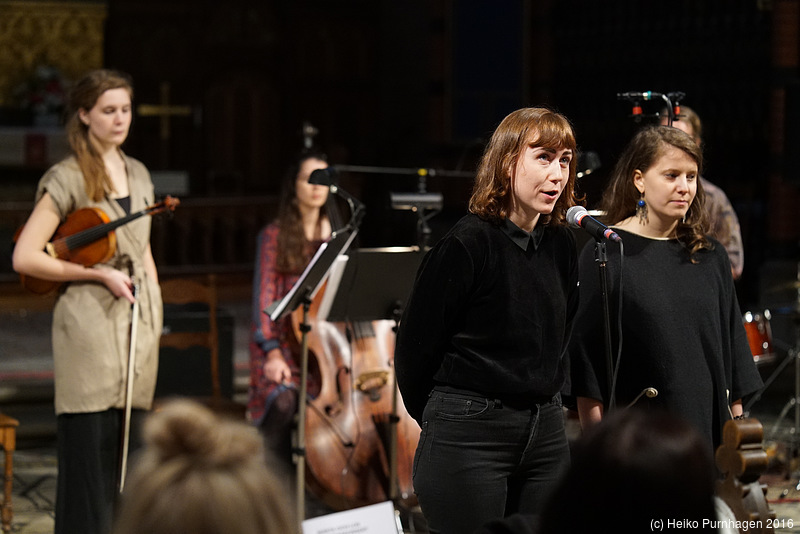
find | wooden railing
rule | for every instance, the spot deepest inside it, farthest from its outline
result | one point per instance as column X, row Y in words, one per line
column 211, row 234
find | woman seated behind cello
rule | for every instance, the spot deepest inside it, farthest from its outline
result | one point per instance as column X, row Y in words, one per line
column 284, row 249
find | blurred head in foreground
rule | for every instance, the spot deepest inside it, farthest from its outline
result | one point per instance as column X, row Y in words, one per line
column 199, row 473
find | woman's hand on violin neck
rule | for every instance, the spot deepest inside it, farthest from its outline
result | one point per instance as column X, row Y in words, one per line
column 275, row 367
column 118, row 282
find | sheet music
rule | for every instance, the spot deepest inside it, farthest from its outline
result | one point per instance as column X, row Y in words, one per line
column 313, row 275
column 334, row 278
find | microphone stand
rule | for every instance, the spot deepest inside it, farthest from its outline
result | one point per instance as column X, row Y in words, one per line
column 356, row 207
column 299, row 449
column 356, row 214
column 601, row 258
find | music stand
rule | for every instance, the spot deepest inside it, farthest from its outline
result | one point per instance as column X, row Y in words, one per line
column 375, row 285
column 300, row 295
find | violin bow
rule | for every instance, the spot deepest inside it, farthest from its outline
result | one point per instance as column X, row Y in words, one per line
column 126, row 424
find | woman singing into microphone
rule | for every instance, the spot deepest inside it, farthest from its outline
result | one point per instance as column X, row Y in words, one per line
column 480, row 345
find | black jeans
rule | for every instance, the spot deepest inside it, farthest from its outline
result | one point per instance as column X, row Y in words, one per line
column 479, row 459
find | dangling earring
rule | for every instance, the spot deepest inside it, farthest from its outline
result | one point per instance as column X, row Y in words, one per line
column 641, row 210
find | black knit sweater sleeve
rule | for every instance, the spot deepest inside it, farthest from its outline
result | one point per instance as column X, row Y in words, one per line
column 440, row 288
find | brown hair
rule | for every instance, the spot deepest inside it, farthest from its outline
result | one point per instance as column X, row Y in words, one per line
column 491, row 196
column 689, row 116
column 201, row 473
column 620, row 196
column 292, row 255
column 84, row 96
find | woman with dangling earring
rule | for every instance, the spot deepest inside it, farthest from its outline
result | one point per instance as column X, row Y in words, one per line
column 681, row 328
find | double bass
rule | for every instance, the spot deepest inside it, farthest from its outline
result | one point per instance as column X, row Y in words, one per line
column 359, row 441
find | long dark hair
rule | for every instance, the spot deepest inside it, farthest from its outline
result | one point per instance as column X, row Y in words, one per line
column 491, row 195
column 292, row 254
column 620, row 196
column 84, row 96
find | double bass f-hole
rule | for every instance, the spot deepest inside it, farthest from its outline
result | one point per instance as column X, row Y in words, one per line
column 334, row 408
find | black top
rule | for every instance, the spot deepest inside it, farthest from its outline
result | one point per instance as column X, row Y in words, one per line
column 125, row 204
column 682, row 332
column 490, row 311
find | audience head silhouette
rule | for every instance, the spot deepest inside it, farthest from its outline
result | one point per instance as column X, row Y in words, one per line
column 633, row 468
column 199, row 473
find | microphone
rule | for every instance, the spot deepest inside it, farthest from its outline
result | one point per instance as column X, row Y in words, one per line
column 578, row 216
column 646, row 95
column 650, row 393
column 325, row 176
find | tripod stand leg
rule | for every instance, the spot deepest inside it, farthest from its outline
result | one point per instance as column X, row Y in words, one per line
column 776, row 425
column 775, row 374
column 794, row 402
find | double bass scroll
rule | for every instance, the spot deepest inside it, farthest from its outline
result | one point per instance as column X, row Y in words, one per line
column 742, row 459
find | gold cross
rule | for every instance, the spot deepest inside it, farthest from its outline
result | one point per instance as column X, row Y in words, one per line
column 164, row 110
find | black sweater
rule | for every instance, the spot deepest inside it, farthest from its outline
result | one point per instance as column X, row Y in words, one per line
column 491, row 311
column 682, row 332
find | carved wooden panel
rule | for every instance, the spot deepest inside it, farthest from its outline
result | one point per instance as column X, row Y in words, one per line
column 64, row 35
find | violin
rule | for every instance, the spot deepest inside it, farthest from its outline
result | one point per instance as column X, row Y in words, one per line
column 87, row 237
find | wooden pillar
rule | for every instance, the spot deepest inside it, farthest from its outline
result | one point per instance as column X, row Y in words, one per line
column 784, row 196
column 8, row 441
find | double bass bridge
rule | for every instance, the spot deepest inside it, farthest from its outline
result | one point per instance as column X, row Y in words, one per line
column 370, row 383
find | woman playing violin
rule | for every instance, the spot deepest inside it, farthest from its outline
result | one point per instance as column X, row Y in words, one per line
column 92, row 314
column 284, row 249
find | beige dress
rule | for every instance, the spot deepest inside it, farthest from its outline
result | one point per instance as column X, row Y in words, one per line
column 91, row 327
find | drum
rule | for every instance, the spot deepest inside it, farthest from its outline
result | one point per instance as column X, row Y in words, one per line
column 759, row 335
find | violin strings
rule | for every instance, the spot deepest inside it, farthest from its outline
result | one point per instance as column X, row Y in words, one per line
column 90, row 235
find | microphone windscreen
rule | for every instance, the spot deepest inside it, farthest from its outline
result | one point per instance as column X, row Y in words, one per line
column 574, row 213
column 322, row 176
